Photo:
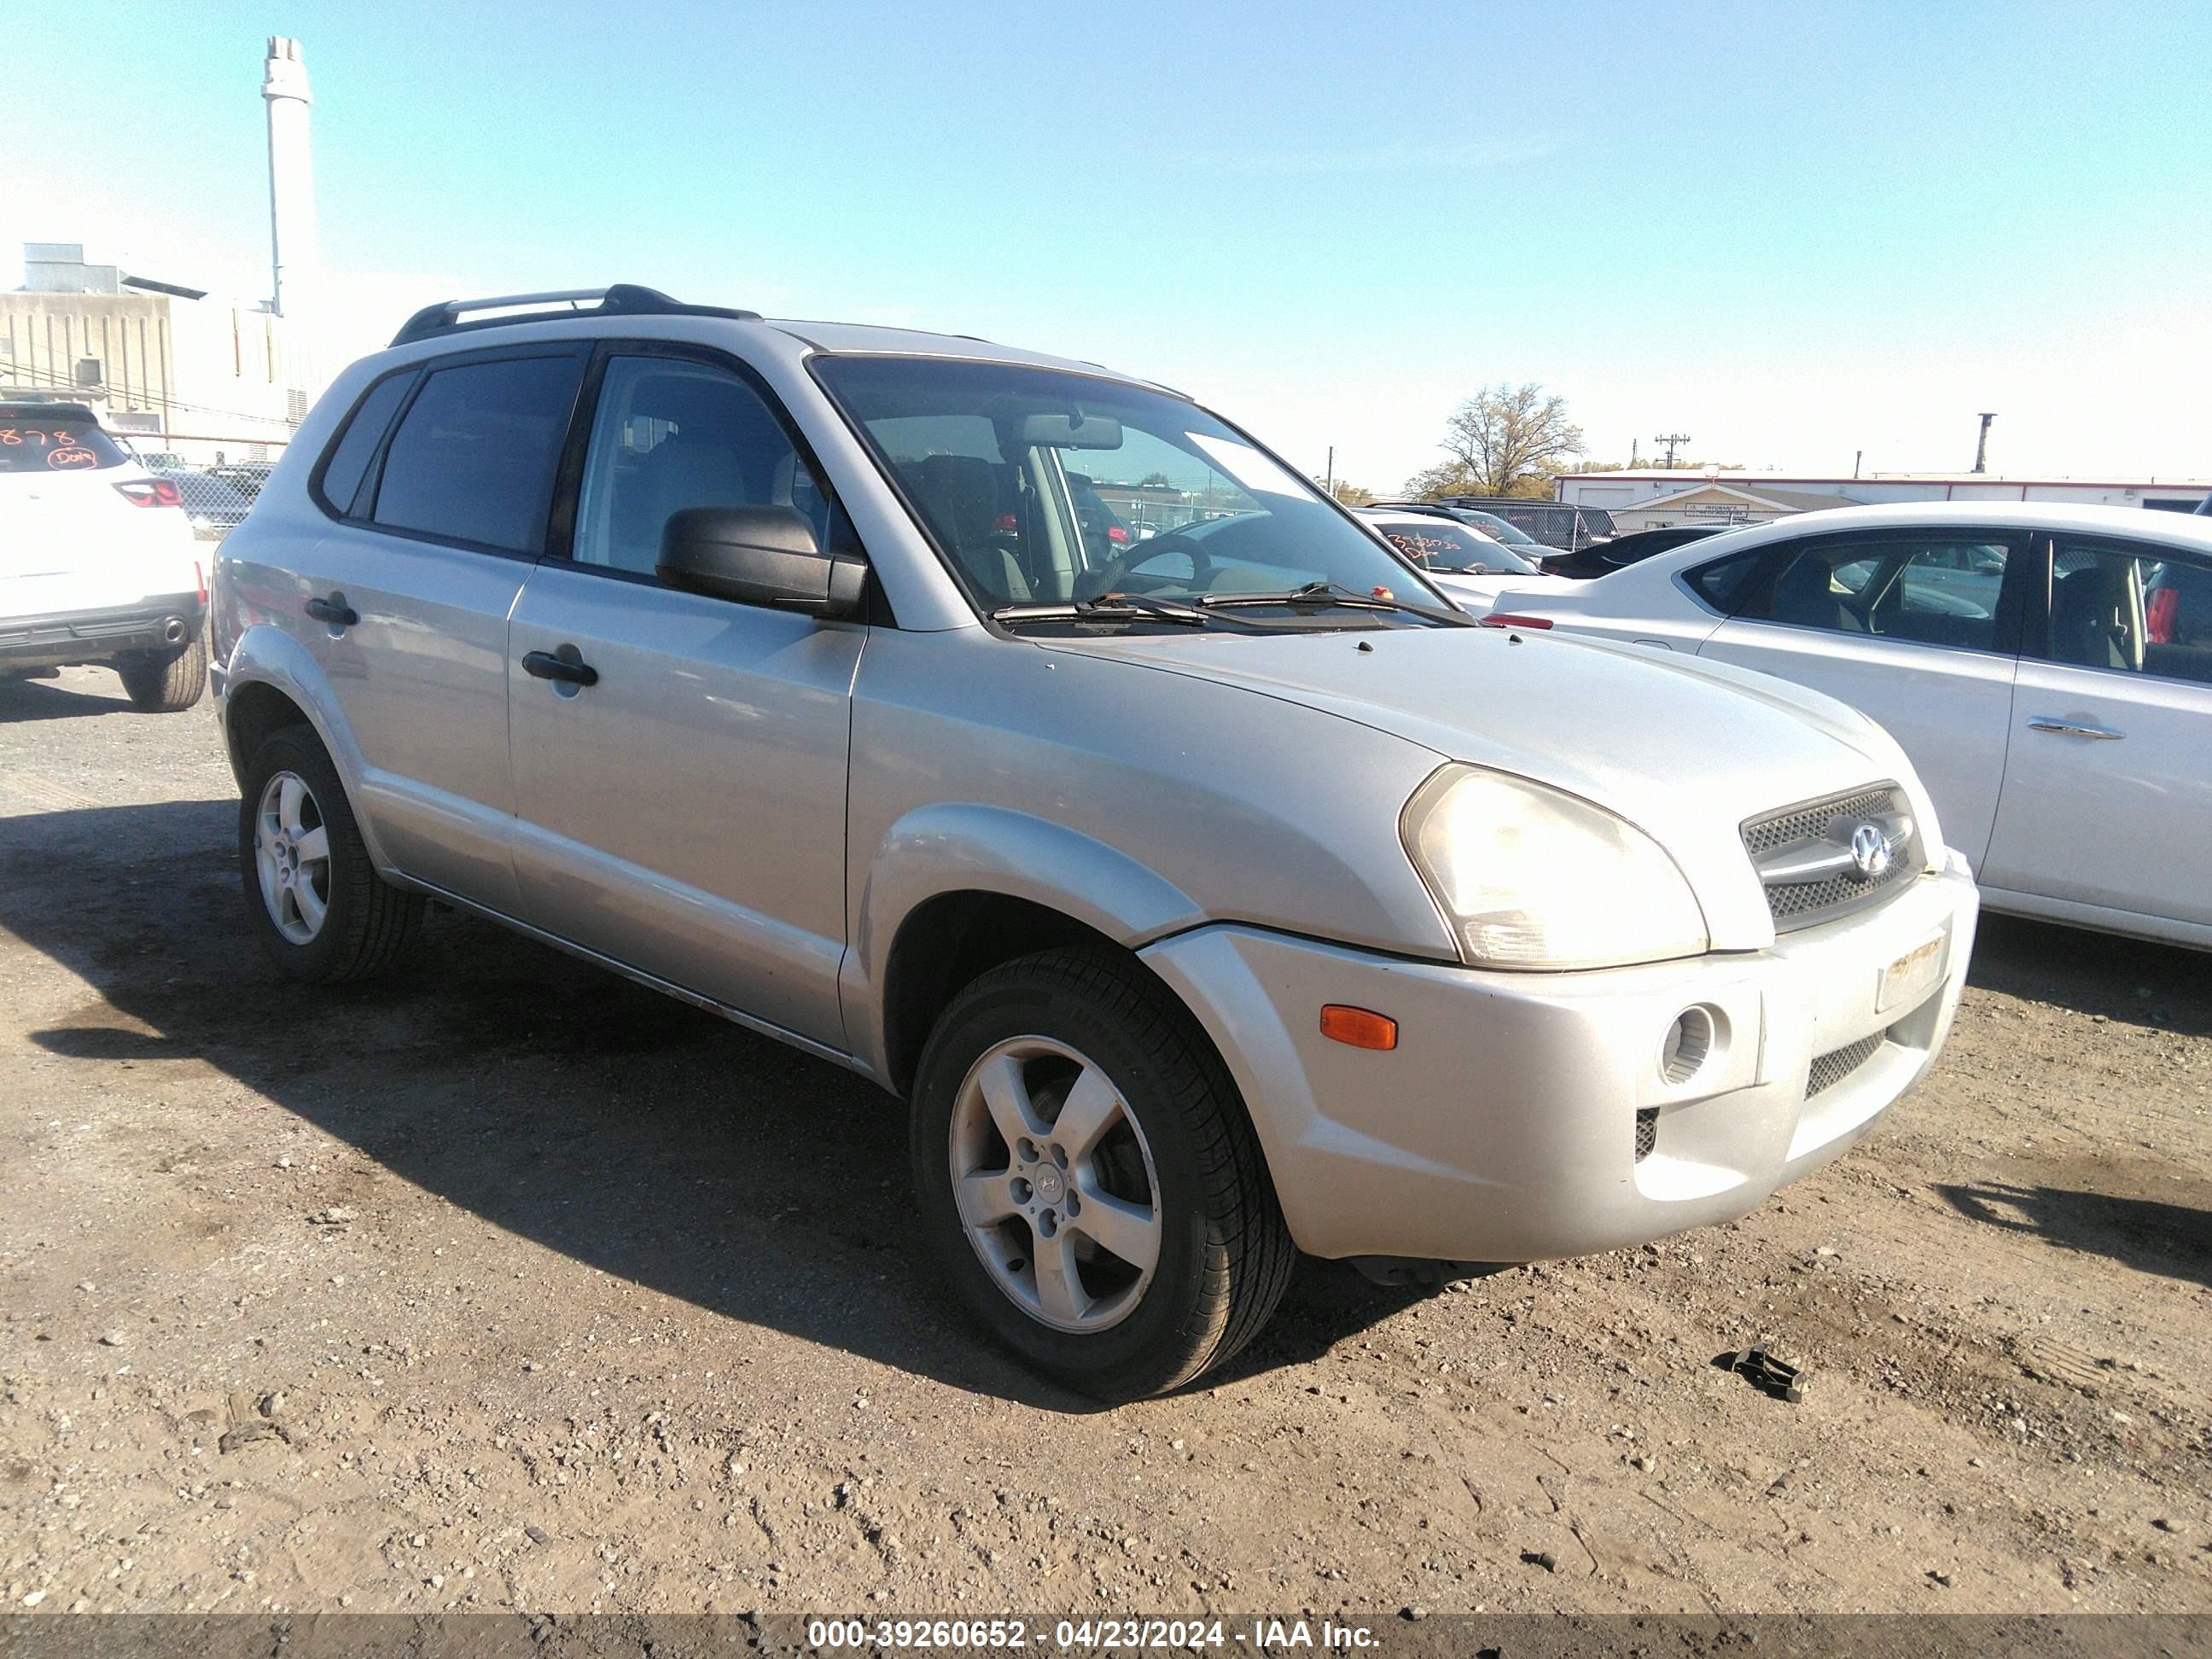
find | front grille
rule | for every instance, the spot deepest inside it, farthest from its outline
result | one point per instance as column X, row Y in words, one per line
column 1803, row 854
column 1810, row 823
column 1647, row 1132
column 1833, row 1067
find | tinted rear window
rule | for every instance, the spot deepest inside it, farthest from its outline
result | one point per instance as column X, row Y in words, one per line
column 1722, row 582
column 36, row 443
column 349, row 461
column 474, row 458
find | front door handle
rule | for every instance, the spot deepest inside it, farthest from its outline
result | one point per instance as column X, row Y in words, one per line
column 569, row 670
column 2066, row 729
column 334, row 611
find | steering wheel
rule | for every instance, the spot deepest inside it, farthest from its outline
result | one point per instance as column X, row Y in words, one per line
column 1103, row 580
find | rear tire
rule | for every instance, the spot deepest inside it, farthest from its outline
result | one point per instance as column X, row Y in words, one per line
column 166, row 682
column 1044, row 1228
column 321, row 911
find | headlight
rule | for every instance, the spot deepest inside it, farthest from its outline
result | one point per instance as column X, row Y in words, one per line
column 1533, row 878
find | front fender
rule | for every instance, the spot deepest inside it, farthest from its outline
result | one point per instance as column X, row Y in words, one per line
column 959, row 847
column 266, row 655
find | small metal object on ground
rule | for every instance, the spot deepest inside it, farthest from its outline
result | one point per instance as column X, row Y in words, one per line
column 1759, row 1367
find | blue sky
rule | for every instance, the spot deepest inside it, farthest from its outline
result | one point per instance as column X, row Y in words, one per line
column 1791, row 231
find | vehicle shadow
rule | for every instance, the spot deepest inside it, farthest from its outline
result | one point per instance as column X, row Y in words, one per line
column 2154, row 1236
column 2127, row 980
column 553, row 1099
column 42, row 700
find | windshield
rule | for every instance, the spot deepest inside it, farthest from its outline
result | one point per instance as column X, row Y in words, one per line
column 1042, row 487
column 54, row 443
column 1439, row 544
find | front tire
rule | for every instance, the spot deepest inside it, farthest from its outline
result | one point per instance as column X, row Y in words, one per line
column 166, row 682
column 1088, row 1178
column 322, row 912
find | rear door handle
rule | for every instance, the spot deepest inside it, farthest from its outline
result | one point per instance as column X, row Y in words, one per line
column 544, row 665
column 2066, row 729
column 334, row 611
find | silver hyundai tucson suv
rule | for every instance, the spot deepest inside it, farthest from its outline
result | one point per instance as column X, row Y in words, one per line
column 1208, row 894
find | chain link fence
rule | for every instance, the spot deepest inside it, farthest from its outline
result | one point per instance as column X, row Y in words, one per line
column 218, row 479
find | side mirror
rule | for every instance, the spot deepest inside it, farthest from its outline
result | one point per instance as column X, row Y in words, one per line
column 765, row 555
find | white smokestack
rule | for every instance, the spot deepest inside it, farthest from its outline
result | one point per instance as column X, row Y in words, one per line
column 292, row 251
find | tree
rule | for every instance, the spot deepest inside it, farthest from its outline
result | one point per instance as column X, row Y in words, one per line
column 1504, row 440
column 1345, row 490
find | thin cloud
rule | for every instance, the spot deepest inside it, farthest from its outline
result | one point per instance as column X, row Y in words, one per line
column 1470, row 156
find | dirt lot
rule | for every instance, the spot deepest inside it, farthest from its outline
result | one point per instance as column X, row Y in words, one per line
column 566, row 1297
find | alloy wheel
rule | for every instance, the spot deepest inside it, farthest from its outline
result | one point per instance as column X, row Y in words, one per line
column 292, row 853
column 1055, row 1184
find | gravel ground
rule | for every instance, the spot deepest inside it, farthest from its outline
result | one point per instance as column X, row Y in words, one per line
column 509, row 1284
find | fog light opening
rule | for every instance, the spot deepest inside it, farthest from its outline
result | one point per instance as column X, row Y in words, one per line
column 1690, row 1043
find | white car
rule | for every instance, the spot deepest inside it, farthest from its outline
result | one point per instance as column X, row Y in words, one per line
column 2049, row 670
column 97, row 560
column 1472, row 568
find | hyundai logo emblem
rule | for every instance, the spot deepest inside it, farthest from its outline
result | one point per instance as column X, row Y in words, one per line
column 1869, row 851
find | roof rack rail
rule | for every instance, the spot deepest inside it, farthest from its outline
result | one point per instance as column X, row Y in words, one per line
column 620, row 300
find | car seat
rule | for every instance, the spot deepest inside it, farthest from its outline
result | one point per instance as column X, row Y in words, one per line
column 959, row 496
column 1805, row 594
column 2090, row 616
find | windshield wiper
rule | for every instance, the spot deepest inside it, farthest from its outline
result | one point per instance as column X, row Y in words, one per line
column 1332, row 594
column 1118, row 607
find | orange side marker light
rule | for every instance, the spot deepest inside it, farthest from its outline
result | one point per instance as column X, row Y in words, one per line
column 1362, row 1027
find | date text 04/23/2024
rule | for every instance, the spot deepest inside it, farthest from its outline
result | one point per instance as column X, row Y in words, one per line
column 1082, row 1635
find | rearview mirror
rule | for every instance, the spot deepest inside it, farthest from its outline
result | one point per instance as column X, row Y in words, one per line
column 764, row 555
column 1076, row 431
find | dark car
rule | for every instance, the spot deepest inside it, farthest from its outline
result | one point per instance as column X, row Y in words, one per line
column 1608, row 557
column 244, row 477
column 1555, row 523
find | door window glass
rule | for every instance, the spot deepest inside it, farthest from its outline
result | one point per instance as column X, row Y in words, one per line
column 1929, row 592
column 672, row 434
column 2139, row 610
column 349, row 461
column 1721, row 584
column 474, row 458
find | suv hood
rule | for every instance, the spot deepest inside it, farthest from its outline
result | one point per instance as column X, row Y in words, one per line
column 1685, row 750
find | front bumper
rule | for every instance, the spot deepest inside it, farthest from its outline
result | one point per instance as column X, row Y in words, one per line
column 162, row 622
column 1505, row 1125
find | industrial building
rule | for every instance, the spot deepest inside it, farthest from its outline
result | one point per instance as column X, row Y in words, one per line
column 178, row 369
column 1652, row 497
column 165, row 363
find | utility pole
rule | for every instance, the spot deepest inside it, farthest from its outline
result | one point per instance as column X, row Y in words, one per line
column 1631, row 454
column 1328, row 484
column 1857, row 455
column 1982, row 443
column 1672, row 441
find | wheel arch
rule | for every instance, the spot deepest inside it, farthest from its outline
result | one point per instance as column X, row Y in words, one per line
column 270, row 682
column 952, row 890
